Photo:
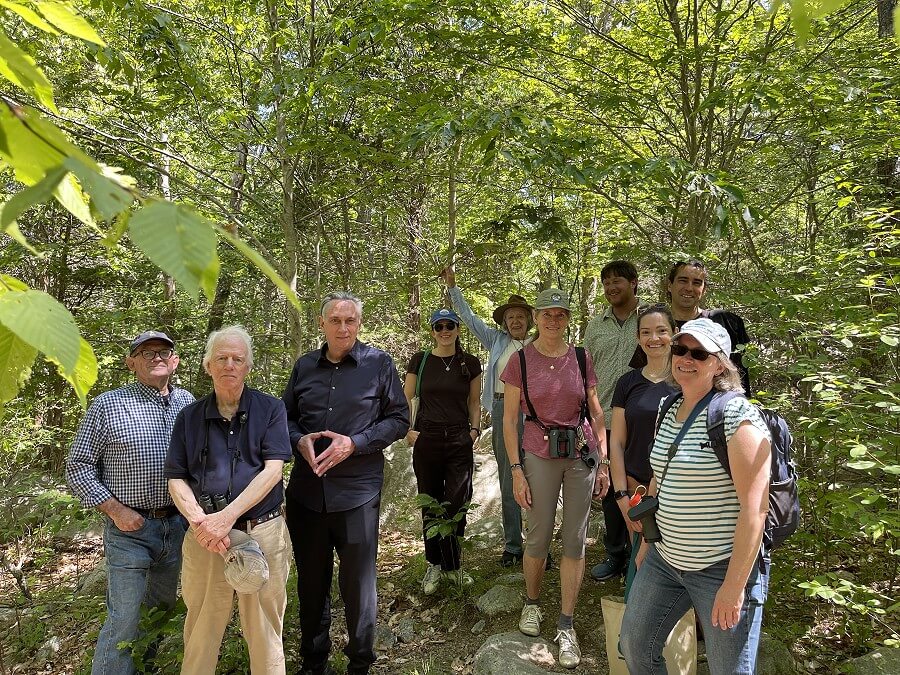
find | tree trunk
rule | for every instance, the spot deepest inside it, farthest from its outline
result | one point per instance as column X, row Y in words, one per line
column 167, row 310
column 887, row 169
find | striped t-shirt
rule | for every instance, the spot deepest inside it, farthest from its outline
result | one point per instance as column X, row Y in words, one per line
column 698, row 505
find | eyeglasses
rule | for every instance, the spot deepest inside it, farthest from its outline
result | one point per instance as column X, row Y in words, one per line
column 150, row 354
column 441, row 326
column 696, row 354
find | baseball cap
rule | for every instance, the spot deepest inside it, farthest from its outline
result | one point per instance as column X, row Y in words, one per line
column 443, row 315
column 246, row 569
column 552, row 297
column 712, row 336
column 148, row 335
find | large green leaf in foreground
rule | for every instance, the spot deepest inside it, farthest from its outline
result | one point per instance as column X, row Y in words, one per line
column 16, row 358
column 181, row 242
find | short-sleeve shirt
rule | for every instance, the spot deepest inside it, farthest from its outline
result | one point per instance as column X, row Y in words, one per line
column 257, row 432
column 640, row 399
column 444, row 389
column 698, row 504
column 556, row 391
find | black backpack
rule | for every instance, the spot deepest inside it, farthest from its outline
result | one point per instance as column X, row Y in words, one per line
column 784, row 499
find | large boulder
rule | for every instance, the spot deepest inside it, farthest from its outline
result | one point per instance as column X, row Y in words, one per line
column 774, row 658
column 885, row 661
column 514, row 654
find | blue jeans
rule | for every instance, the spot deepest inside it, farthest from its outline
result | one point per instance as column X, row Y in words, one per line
column 662, row 594
column 512, row 512
column 142, row 569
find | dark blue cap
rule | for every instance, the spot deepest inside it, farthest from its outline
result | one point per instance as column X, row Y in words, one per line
column 444, row 315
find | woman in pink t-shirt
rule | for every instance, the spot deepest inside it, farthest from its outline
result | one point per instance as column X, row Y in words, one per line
column 564, row 448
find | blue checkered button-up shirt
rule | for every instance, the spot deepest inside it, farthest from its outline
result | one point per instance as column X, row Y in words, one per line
column 121, row 445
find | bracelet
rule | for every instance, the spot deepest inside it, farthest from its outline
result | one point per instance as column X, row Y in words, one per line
column 517, row 465
column 604, row 462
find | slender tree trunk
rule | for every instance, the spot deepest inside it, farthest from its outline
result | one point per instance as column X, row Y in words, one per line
column 167, row 311
column 414, row 211
column 286, row 176
column 887, row 168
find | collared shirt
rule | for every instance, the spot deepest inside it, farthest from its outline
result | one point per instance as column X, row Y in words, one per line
column 611, row 346
column 121, row 445
column 496, row 341
column 360, row 397
column 237, row 449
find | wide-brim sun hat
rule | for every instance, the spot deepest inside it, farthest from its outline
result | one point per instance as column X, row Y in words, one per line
column 712, row 336
column 514, row 301
column 246, row 568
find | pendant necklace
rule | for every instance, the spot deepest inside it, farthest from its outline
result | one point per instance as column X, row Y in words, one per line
column 446, row 364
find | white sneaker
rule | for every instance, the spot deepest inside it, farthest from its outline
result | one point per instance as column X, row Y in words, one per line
column 569, row 651
column 459, row 578
column 530, row 621
column 432, row 579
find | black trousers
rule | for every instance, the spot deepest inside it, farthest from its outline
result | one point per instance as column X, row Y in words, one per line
column 444, row 464
column 615, row 539
column 316, row 537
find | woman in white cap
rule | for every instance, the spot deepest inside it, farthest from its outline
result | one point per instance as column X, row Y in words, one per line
column 448, row 383
column 711, row 523
column 564, row 447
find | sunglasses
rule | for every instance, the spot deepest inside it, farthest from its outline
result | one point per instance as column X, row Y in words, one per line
column 441, row 326
column 696, row 354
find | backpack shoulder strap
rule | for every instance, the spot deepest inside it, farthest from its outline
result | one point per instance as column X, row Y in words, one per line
column 715, row 426
column 667, row 404
column 532, row 415
column 582, row 366
column 421, row 369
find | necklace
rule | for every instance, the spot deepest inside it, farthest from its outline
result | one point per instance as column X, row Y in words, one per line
column 655, row 377
column 447, row 364
column 552, row 356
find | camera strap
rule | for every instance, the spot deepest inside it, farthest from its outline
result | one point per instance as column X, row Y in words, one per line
column 673, row 448
column 532, row 414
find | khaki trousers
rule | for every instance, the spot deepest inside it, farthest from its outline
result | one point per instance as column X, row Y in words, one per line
column 210, row 602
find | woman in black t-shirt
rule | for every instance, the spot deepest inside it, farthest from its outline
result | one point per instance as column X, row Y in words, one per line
column 446, row 428
column 635, row 405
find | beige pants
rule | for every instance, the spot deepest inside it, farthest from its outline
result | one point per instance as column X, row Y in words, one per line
column 210, row 601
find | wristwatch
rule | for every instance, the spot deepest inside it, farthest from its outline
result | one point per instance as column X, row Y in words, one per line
column 618, row 494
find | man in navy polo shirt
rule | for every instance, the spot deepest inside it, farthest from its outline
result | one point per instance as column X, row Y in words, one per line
column 224, row 468
column 345, row 404
column 116, row 466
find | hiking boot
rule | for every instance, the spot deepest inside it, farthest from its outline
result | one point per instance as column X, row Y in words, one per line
column 432, row 579
column 608, row 569
column 459, row 578
column 569, row 651
column 510, row 559
column 530, row 621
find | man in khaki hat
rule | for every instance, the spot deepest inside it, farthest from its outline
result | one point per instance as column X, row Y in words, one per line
column 515, row 320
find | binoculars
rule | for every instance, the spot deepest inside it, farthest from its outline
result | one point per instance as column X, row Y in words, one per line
column 212, row 503
column 645, row 512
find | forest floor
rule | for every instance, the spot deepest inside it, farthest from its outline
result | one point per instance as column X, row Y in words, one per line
column 55, row 630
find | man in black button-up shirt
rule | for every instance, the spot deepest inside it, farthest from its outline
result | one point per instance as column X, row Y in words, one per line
column 345, row 404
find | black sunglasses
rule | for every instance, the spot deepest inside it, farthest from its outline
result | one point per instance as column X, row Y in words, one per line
column 442, row 326
column 696, row 354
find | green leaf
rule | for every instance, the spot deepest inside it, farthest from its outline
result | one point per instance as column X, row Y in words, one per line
column 30, row 16
column 262, row 265
column 38, row 193
column 858, row 451
column 17, row 67
column 862, row 465
column 65, row 18
column 16, row 235
column 40, row 320
column 16, row 357
column 893, row 469
column 889, row 340
column 897, row 23
column 180, row 242
column 107, row 197
column 84, row 375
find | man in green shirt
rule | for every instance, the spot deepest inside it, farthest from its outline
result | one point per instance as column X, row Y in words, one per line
column 611, row 339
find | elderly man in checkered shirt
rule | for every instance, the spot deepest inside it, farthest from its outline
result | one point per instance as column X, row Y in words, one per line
column 116, row 466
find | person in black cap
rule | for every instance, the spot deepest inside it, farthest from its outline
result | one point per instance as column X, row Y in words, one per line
column 448, row 383
column 514, row 319
column 115, row 465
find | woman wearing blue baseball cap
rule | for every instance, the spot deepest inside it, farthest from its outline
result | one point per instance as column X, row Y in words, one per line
column 447, row 381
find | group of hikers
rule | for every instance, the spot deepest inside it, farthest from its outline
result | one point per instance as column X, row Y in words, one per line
column 194, row 487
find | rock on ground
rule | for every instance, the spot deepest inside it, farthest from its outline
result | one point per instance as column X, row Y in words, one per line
column 500, row 599
column 774, row 657
column 514, row 654
column 885, row 661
